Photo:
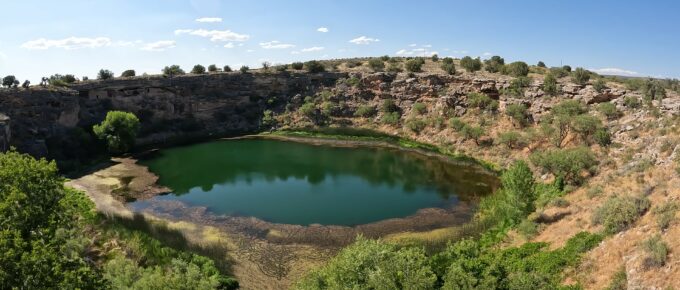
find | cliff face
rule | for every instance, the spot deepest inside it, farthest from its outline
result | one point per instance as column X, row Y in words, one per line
column 46, row 121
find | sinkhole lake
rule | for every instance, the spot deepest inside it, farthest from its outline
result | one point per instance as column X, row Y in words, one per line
column 297, row 183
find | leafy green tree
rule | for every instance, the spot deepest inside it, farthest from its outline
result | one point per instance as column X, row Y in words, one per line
column 212, row 68
column 585, row 126
column 511, row 139
column 567, row 164
column 447, row 60
column 517, row 69
column 566, row 68
column 518, row 113
column 518, row 85
column 518, row 186
column 470, row 64
column 104, row 74
column 314, row 66
column 376, row 64
column 128, row 73
column 580, row 76
column 244, row 69
column 8, row 81
column 119, row 130
column 297, row 65
column 449, row 68
column 540, row 64
column 198, row 69
column 39, row 223
column 482, row 101
column 473, row 132
column 227, row 68
column 173, row 70
column 266, row 65
column 494, row 64
column 609, row 110
column 435, row 58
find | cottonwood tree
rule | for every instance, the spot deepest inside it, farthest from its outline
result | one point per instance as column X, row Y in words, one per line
column 119, row 130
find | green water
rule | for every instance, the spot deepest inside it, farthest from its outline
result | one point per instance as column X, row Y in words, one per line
column 295, row 183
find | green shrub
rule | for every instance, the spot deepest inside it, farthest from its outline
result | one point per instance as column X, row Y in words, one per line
column 394, row 67
column 416, row 125
column 580, row 76
column 517, row 86
column 119, row 130
column 414, row 65
column 268, row 119
column 518, row 113
column 665, row 214
column 212, row 68
column 569, row 108
column 585, row 126
column 631, row 102
column 517, row 69
column 566, row 164
column 602, row 137
column 173, row 70
column 329, row 108
column 244, row 69
column 512, row 139
column 314, row 66
column 104, row 74
column 550, row 86
column 472, row 132
column 619, row 281
column 385, row 58
column 619, row 213
column 540, row 64
column 297, row 65
column 365, row 111
column 281, row 67
column 559, row 72
column 609, row 110
column 376, row 64
column 470, row 64
column 494, row 64
column 447, row 60
column 308, row 110
column 128, row 73
column 456, row 124
column 388, row 106
column 198, row 69
column 391, row 118
column 419, row 108
column 657, row 251
column 435, row 58
column 449, row 68
column 482, row 101
column 226, row 68
column 600, row 85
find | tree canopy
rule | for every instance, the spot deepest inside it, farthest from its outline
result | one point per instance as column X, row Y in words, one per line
column 119, row 130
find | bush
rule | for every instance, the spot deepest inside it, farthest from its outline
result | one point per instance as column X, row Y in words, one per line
column 376, row 64
column 482, row 101
column 550, row 86
column 456, row 124
column 512, row 139
column 566, row 164
column 297, row 65
column 580, row 76
column 473, row 132
column 619, row 213
column 657, row 251
column 172, row 70
column 540, row 64
column 281, row 67
column 494, row 64
column 244, row 69
column 314, row 66
column 9, row 81
column 391, row 118
column 470, row 64
column 268, row 119
column 631, row 102
column 518, row 113
column 226, row 68
column 665, row 214
column 308, row 110
column 212, row 68
column 119, row 130
column 365, row 111
column 394, row 67
column 416, row 125
column 419, row 108
column 104, row 74
column 61, row 80
column 385, row 58
column 569, row 108
column 517, row 86
column 198, row 69
column 559, row 72
column 128, row 73
column 388, row 106
column 447, row 60
column 585, row 126
column 266, row 65
column 517, row 69
column 619, row 281
column 518, row 184
column 435, row 58
column 566, row 68
column 609, row 111
column 599, row 85
column 449, row 68
column 602, row 137
column 414, row 65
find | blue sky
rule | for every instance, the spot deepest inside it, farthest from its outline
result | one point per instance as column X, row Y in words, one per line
column 40, row 38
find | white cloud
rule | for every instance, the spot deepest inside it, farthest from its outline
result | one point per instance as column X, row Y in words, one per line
column 123, row 43
column 416, row 52
column 159, row 45
column 229, row 45
column 428, row 45
column 275, row 44
column 615, row 71
column 322, row 29
column 313, row 48
column 214, row 35
column 364, row 40
column 487, row 54
column 459, row 51
column 209, row 19
column 250, row 50
column 67, row 43
column 412, row 45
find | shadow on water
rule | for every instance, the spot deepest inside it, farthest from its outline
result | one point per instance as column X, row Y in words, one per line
column 175, row 239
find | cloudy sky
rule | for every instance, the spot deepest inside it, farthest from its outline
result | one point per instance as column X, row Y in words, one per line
column 40, row 38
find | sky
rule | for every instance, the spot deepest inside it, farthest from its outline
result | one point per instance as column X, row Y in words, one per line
column 41, row 38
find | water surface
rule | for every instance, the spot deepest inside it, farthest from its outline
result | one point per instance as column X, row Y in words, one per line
column 296, row 183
